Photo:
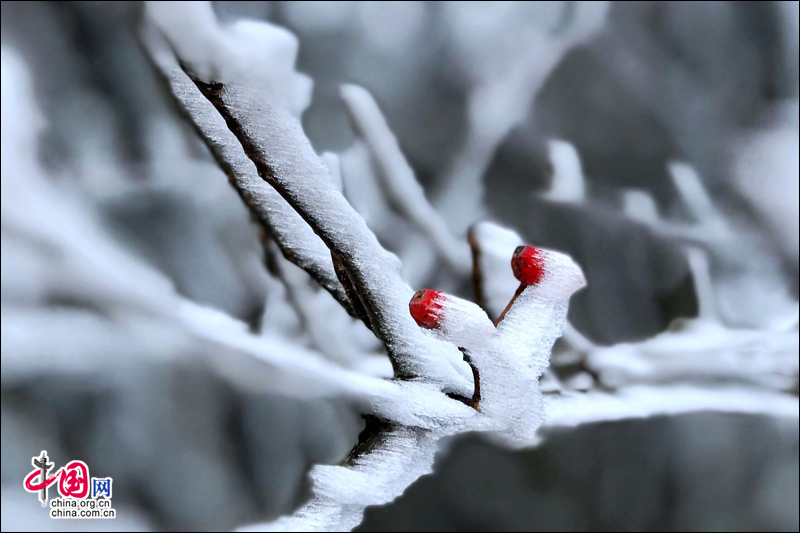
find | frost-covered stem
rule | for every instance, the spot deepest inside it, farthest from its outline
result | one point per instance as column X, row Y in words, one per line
column 495, row 107
column 293, row 236
column 397, row 178
column 710, row 228
column 695, row 197
column 350, row 290
column 293, row 298
column 499, row 102
column 568, row 184
column 273, row 139
column 518, row 292
column 510, row 356
column 477, row 271
column 476, row 377
column 508, row 361
column 461, row 197
column 531, row 313
column 703, row 286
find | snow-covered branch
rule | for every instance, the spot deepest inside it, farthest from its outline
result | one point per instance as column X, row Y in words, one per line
column 443, row 345
column 273, row 139
column 508, row 74
column 280, row 222
column 397, row 177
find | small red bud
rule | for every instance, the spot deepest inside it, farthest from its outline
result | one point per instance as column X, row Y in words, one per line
column 426, row 308
column 528, row 265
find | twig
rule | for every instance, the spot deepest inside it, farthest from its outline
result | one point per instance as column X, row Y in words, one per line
column 397, row 177
column 273, row 139
column 295, row 239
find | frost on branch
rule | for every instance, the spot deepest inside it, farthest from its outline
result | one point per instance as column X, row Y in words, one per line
column 397, row 177
column 491, row 247
column 727, row 343
column 507, row 75
column 512, row 354
column 76, row 301
column 383, row 188
column 281, row 223
column 493, row 369
column 56, row 249
column 507, row 360
column 261, row 55
column 273, row 139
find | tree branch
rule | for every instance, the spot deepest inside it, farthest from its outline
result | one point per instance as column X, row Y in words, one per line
column 295, row 239
column 274, row 141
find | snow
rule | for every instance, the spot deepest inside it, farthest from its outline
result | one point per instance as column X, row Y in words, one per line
column 377, row 478
column 247, row 106
column 702, row 351
column 735, row 263
column 707, row 308
column 331, row 330
column 334, row 169
column 509, row 358
column 397, row 177
column 582, row 381
column 568, row 183
column 644, row 401
column 362, row 190
column 766, row 172
column 640, row 206
column 697, row 200
column 493, row 246
column 295, row 238
column 527, row 334
column 127, row 308
column 275, row 142
column 253, row 52
column 506, row 76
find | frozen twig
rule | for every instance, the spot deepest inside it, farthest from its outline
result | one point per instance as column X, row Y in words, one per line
column 514, row 350
column 707, row 228
column 702, row 349
column 746, row 270
column 258, row 108
column 415, row 412
column 397, row 177
column 695, row 197
column 334, row 169
column 508, row 358
column 650, row 400
column 702, row 352
column 641, row 207
column 363, row 191
column 330, row 330
column 492, row 246
column 72, row 294
column 273, row 139
column 505, row 85
column 280, row 222
column 703, row 286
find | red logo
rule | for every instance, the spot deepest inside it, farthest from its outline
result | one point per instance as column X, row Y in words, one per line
column 73, row 479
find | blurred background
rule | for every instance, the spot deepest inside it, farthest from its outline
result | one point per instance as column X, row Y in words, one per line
column 654, row 142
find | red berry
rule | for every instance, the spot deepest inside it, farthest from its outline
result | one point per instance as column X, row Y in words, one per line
column 528, row 265
column 426, row 308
